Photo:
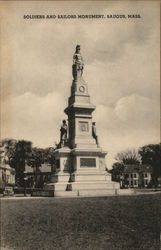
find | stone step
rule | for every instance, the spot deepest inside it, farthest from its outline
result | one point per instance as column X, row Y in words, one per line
column 86, row 193
column 105, row 192
column 89, row 177
column 93, row 192
column 92, row 185
column 65, row 193
column 60, row 177
column 60, row 186
column 66, row 186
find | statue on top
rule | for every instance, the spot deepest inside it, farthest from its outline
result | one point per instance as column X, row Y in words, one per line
column 78, row 63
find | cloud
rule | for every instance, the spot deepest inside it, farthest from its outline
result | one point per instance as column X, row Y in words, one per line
column 35, row 118
column 134, row 120
column 138, row 111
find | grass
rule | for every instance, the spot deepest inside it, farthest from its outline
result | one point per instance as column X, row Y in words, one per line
column 113, row 223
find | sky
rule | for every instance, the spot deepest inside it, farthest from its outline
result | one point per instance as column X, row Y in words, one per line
column 122, row 70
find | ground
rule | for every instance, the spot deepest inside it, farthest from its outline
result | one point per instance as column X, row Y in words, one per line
column 113, row 223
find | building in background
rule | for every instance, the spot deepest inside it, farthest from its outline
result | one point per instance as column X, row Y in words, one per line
column 7, row 175
column 135, row 176
column 36, row 178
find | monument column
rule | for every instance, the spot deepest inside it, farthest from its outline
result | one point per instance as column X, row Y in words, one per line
column 79, row 108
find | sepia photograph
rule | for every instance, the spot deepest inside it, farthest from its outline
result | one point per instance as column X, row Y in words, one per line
column 80, row 150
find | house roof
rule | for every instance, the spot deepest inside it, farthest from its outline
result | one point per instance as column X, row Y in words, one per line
column 137, row 168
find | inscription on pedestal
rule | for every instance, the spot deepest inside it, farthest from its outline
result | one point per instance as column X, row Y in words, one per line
column 87, row 162
column 83, row 126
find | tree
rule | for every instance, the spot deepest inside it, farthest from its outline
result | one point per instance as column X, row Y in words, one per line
column 151, row 155
column 35, row 160
column 15, row 153
column 49, row 157
column 127, row 157
column 117, row 171
column 23, row 151
column 8, row 151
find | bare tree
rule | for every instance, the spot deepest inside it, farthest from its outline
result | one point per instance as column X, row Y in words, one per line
column 130, row 156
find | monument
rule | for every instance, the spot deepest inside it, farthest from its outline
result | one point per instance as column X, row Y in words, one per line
column 80, row 168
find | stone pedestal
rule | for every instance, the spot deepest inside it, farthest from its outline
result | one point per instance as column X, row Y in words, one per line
column 61, row 177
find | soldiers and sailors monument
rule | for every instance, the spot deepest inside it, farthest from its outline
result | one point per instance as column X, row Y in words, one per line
column 80, row 167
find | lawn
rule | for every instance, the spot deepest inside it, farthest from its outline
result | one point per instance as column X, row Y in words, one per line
column 112, row 223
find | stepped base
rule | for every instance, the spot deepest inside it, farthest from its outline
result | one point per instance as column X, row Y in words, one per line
column 60, row 177
column 84, row 189
column 85, row 193
column 94, row 193
column 57, row 186
column 83, row 183
column 65, row 194
column 94, row 185
column 91, row 176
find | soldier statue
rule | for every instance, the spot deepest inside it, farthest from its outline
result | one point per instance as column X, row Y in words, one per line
column 78, row 63
column 63, row 134
column 94, row 133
